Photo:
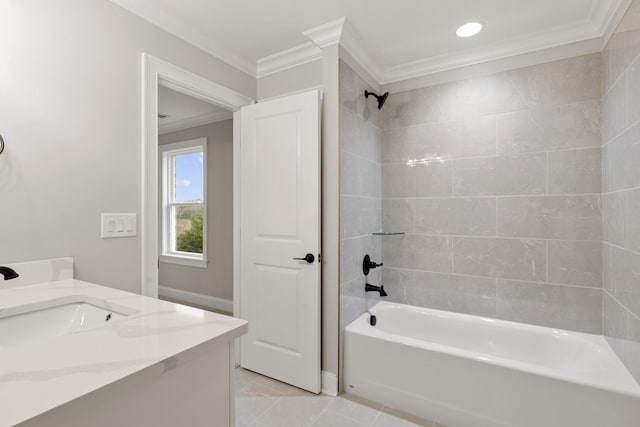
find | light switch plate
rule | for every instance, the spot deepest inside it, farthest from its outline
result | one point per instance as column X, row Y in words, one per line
column 115, row 225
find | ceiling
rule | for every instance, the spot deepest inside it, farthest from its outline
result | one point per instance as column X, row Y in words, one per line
column 398, row 39
column 184, row 111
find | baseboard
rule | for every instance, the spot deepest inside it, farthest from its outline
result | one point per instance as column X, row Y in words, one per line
column 329, row 383
column 214, row 303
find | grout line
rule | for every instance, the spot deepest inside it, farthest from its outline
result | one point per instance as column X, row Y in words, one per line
column 547, row 262
column 622, row 248
column 624, row 71
column 471, row 117
column 622, row 190
column 538, row 239
column 502, row 196
column 568, row 285
column 547, row 171
column 509, row 155
column 622, row 305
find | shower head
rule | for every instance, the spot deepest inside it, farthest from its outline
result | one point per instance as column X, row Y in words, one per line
column 381, row 98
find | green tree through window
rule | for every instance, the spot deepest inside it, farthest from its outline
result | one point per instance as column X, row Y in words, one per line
column 191, row 240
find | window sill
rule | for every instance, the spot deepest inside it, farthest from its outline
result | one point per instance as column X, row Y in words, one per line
column 183, row 260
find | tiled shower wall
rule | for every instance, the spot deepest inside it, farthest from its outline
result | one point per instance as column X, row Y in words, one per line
column 621, row 187
column 502, row 207
column 360, row 193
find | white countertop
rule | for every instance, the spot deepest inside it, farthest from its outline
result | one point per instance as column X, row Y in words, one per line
column 39, row 377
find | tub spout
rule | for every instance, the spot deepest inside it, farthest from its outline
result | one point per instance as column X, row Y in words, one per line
column 372, row 288
column 8, row 273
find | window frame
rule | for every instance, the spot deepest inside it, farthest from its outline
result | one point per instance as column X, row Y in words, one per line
column 168, row 254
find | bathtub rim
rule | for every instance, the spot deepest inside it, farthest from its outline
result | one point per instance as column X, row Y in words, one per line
column 361, row 326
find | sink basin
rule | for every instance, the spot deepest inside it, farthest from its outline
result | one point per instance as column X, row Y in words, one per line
column 39, row 324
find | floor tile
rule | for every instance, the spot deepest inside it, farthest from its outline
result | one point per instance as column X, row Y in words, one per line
column 333, row 419
column 265, row 402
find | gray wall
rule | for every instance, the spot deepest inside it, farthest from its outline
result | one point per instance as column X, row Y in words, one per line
column 296, row 79
column 217, row 279
column 621, row 187
column 508, row 223
column 70, row 108
column 360, row 195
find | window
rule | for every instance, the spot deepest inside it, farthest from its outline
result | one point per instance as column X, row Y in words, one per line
column 184, row 213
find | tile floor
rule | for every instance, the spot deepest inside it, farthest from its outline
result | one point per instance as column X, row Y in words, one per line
column 264, row 402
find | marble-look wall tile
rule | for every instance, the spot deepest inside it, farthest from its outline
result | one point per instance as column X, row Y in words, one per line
column 575, row 171
column 622, row 158
column 575, row 79
column 352, row 88
column 350, row 179
column 614, row 214
column 400, row 180
column 550, row 217
column 631, row 356
column 466, row 138
column 359, row 137
column 614, row 109
column 428, row 105
column 499, row 176
column 462, row 294
column 622, row 330
column 575, row 262
column 399, row 284
column 615, row 321
column 349, row 259
column 518, row 194
column 397, row 215
column 500, row 258
column 626, row 278
column 503, row 92
column 565, row 307
column 455, row 216
column 633, row 95
column 360, row 189
column 607, row 273
column 621, row 181
column 633, row 219
column 418, row 252
column 624, row 45
column 359, row 216
column 575, row 125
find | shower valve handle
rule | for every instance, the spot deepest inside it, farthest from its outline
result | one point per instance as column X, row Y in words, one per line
column 367, row 265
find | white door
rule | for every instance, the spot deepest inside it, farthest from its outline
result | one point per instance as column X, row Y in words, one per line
column 280, row 221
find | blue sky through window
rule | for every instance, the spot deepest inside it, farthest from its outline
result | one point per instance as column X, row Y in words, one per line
column 189, row 177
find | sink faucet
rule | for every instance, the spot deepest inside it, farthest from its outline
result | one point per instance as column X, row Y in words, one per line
column 8, row 273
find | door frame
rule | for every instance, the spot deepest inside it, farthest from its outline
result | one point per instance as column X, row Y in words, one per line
column 157, row 72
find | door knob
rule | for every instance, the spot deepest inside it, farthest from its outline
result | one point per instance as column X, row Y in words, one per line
column 308, row 257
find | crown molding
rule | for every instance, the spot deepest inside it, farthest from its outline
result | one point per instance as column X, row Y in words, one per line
column 576, row 39
column 357, row 48
column 298, row 55
column 191, row 122
column 327, row 34
column 170, row 24
column 610, row 18
column 589, row 35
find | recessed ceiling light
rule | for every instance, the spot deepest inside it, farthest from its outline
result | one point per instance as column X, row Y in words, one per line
column 469, row 29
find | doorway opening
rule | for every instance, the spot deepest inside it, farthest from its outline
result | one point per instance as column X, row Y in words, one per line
column 171, row 212
column 195, row 194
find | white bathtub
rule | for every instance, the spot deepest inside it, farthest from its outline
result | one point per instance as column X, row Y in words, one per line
column 471, row 371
